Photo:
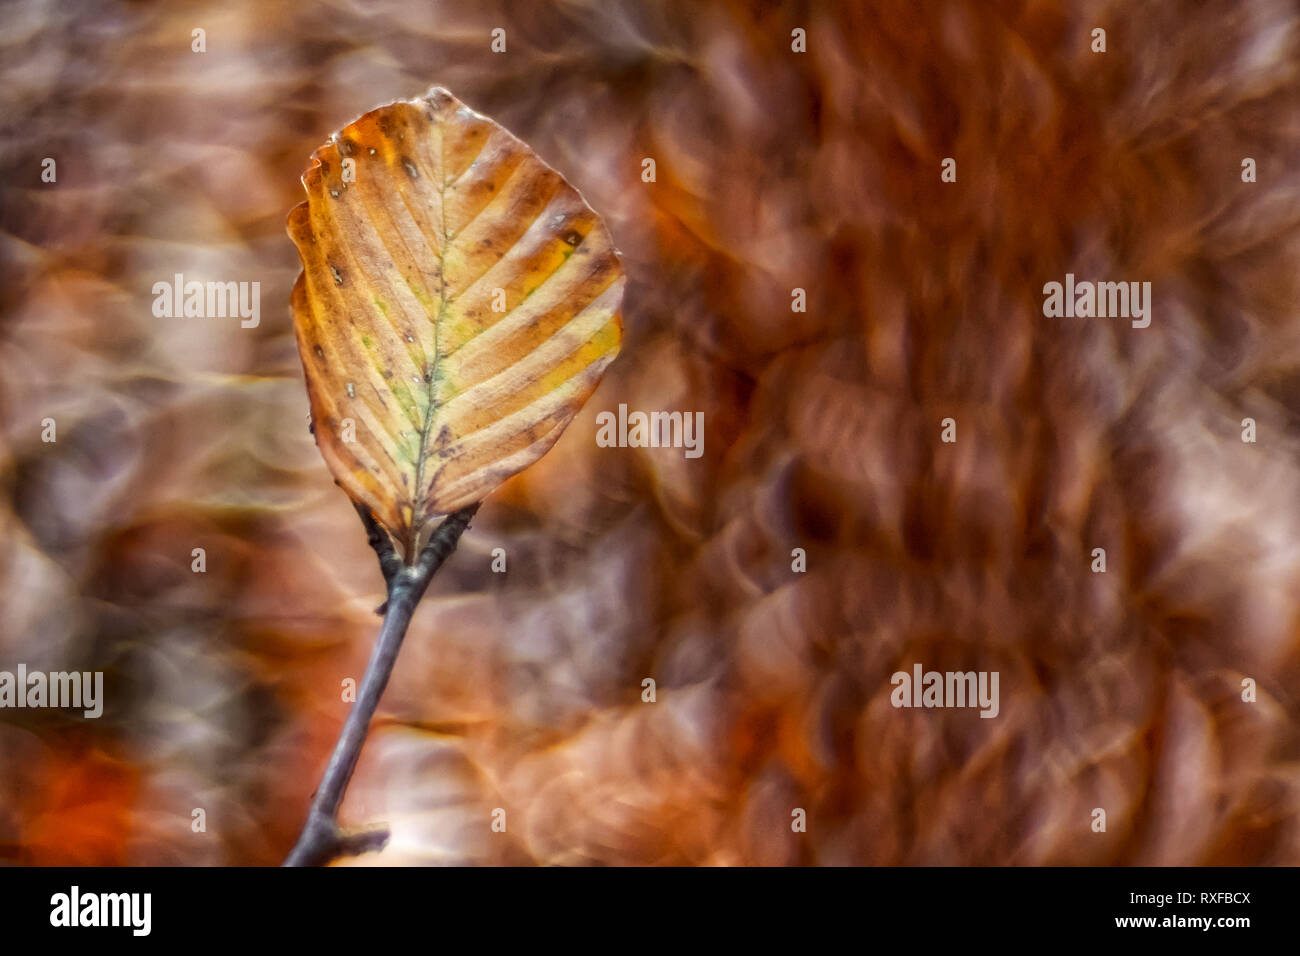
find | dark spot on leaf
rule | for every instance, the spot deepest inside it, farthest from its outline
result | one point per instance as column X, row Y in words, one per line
column 573, row 237
column 320, row 352
column 410, row 168
column 338, row 276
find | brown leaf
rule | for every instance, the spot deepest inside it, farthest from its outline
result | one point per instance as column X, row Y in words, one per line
column 458, row 304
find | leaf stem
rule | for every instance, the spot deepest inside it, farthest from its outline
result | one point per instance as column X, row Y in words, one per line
column 389, row 560
column 321, row 839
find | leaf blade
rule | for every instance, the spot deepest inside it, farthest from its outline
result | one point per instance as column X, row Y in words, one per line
column 459, row 302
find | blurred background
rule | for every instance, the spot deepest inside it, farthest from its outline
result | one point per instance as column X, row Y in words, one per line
column 775, row 170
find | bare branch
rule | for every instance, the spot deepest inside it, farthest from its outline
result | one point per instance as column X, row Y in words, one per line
column 321, row 840
column 390, row 563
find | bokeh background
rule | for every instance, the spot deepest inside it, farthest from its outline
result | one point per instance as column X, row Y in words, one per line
column 776, row 170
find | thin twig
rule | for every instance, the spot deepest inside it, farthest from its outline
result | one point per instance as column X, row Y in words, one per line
column 321, row 840
column 390, row 563
column 389, row 560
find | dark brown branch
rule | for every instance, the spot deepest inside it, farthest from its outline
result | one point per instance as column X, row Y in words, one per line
column 390, row 563
column 321, row 840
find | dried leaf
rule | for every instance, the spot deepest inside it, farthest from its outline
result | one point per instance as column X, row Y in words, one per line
column 458, row 304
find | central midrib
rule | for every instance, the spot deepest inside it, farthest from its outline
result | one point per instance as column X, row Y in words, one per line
column 431, row 378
